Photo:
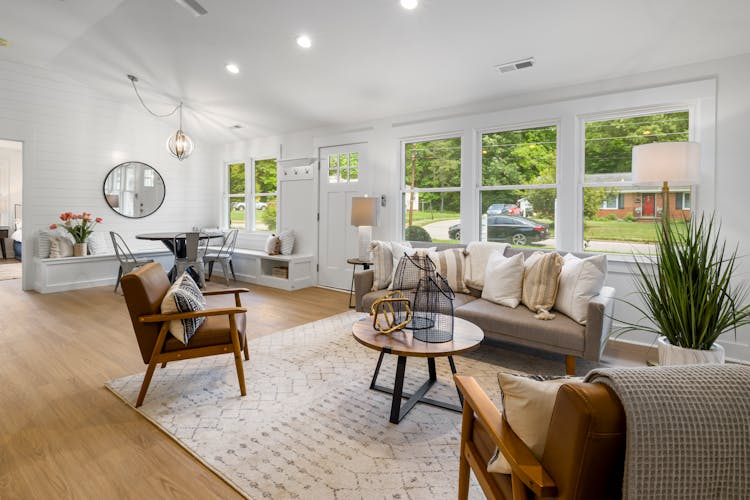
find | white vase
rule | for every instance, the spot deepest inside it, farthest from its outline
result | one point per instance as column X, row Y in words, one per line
column 80, row 249
column 675, row 355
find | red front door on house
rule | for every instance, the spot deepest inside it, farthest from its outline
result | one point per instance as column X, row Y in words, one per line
column 648, row 205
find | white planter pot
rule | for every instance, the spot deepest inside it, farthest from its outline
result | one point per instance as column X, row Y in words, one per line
column 674, row 355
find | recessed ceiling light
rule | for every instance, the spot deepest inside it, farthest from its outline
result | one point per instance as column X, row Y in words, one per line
column 232, row 68
column 304, row 41
column 409, row 4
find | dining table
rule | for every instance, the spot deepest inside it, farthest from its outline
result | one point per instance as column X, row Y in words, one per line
column 175, row 242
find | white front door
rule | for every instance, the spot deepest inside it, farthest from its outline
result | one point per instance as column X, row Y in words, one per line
column 341, row 172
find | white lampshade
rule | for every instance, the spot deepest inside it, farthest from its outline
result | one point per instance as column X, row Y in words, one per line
column 365, row 211
column 673, row 162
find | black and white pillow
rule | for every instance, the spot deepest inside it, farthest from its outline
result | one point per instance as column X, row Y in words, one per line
column 184, row 296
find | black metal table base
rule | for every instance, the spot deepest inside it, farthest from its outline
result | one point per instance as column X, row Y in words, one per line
column 399, row 411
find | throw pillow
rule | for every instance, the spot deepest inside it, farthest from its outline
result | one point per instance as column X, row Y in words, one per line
column 398, row 250
column 184, row 296
column 273, row 245
column 99, row 244
column 43, row 244
column 382, row 260
column 503, row 281
column 60, row 246
column 406, row 251
column 540, row 281
column 528, row 402
column 477, row 255
column 287, row 242
column 580, row 281
column 451, row 264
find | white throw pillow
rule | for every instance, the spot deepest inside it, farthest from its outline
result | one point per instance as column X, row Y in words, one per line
column 382, row 260
column 100, row 244
column 527, row 406
column 451, row 264
column 503, row 281
column 398, row 250
column 477, row 255
column 59, row 247
column 580, row 281
column 184, row 296
column 287, row 241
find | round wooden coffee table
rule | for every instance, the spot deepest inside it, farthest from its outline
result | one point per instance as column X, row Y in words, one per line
column 466, row 337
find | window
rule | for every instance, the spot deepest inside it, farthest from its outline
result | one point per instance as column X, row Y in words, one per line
column 432, row 190
column 251, row 200
column 519, row 186
column 618, row 216
column 682, row 201
column 343, row 168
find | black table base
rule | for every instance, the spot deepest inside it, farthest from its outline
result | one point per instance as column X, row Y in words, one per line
column 398, row 412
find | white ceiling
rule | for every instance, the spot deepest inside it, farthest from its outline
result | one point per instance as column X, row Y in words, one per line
column 370, row 58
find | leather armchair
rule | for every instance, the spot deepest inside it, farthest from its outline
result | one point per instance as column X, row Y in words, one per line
column 583, row 456
column 223, row 332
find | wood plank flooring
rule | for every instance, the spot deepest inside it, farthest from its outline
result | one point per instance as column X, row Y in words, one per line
column 62, row 434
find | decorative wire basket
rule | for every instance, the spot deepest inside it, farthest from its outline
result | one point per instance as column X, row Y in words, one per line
column 430, row 295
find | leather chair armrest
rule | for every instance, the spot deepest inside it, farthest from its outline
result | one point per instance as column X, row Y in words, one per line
column 362, row 285
column 236, row 291
column 160, row 318
column 524, row 464
column 598, row 323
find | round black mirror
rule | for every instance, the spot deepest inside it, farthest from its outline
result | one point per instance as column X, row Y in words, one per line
column 134, row 189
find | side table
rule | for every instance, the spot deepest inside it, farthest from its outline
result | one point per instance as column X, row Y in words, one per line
column 365, row 266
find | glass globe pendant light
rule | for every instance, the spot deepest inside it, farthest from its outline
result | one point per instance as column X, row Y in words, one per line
column 179, row 144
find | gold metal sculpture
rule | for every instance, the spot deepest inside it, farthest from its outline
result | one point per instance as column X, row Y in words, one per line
column 384, row 305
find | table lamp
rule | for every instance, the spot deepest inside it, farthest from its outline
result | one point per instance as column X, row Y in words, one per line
column 365, row 215
column 665, row 162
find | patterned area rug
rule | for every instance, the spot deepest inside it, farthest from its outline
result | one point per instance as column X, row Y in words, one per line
column 10, row 271
column 310, row 427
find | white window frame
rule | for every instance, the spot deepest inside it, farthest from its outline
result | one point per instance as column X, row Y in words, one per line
column 605, row 205
column 682, row 195
column 403, row 191
column 480, row 181
column 249, row 195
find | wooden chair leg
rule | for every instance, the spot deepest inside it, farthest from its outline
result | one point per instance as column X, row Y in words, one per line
column 146, row 383
column 247, row 349
column 570, row 365
column 158, row 346
column 237, row 354
column 467, row 425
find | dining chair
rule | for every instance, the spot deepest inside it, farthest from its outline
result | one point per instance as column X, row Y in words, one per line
column 128, row 261
column 222, row 332
column 195, row 248
column 223, row 256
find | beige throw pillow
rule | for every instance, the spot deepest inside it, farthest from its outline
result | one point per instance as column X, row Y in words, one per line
column 451, row 264
column 477, row 255
column 382, row 260
column 398, row 250
column 580, row 281
column 60, row 246
column 503, row 281
column 273, row 245
column 527, row 406
column 540, row 280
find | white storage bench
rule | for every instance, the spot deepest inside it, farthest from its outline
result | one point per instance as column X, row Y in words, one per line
column 73, row 273
column 255, row 266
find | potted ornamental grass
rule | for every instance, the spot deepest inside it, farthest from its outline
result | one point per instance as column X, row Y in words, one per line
column 687, row 292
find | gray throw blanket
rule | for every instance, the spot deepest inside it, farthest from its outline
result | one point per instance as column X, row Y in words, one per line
column 688, row 430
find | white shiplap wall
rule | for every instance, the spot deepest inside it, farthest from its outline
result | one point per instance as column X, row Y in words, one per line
column 73, row 136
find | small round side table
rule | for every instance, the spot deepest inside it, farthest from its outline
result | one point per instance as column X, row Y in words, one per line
column 365, row 266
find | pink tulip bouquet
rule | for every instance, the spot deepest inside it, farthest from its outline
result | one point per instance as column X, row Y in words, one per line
column 80, row 226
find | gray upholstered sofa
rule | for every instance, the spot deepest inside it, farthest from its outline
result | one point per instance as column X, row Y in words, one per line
column 560, row 335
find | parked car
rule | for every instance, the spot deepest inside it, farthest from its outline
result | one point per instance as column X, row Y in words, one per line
column 514, row 230
column 504, row 209
column 240, row 205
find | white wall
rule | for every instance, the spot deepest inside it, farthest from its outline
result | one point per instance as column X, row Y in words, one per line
column 724, row 113
column 73, row 136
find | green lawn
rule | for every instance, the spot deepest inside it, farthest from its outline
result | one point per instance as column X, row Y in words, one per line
column 422, row 218
column 624, row 231
column 238, row 218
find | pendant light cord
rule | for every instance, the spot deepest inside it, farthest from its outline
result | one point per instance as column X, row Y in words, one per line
column 134, row 79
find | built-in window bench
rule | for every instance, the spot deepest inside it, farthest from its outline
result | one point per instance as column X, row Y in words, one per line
column 255, row 266
column 72, row 273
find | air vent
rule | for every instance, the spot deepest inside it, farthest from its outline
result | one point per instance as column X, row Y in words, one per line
column 193, row 6
column 236, row 126
column 514, row 65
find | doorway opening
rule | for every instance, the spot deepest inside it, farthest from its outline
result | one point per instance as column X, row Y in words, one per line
column 11, row 210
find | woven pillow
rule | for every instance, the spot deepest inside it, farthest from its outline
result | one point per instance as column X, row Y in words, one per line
column 184, row 296
column 273, row 245
column 451, row 264
column 580, row 281
column 287, row 242
column 540, row 280
column 528, row 401
column 382, row 260
column 60, row 246
column 44, row 244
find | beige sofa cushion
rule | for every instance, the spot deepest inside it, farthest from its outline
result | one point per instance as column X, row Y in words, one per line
column 368, row 299
column 503, row 282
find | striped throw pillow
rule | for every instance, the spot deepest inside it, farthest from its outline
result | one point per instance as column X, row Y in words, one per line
column 184, row 296
column 451, row 264
column 540, row 280
column 382, row 260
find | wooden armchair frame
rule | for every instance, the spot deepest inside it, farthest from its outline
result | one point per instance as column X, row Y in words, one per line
column 157, row 356
column 527, row 472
